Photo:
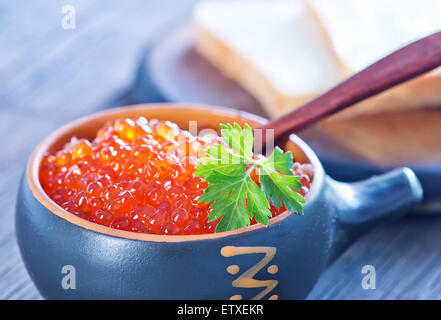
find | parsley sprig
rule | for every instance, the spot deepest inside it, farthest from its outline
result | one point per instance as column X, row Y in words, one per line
column 235, row 198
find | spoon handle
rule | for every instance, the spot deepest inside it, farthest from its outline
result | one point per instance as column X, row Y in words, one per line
column 406, row 63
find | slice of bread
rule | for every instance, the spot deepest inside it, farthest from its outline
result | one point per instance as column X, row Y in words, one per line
column 365, row 31
column 285, row 52
column 276, row 49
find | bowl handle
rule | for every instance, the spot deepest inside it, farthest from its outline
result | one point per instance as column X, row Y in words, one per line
column 364, row 204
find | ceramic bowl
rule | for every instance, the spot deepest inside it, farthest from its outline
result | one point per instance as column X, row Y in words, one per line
column 71, row 258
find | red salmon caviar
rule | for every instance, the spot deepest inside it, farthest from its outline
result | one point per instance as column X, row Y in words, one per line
column 138, row 175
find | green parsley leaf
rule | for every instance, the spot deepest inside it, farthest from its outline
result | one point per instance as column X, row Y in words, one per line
column 238, row 139
column 281, row 161
column 221, row 160
column 279, row 188
column 232, row 194
column 235, row 198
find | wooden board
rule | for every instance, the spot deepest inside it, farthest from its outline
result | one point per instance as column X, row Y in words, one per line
column 406, row 138
column 181, row 74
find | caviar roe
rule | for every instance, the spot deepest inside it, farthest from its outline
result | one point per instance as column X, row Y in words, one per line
column 138, row 175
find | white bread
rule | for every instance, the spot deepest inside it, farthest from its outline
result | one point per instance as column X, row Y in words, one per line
column 365, row 31
column 258, row 44
column 285, row 52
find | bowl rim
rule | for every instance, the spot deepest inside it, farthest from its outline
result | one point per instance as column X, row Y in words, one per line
column 34, row 161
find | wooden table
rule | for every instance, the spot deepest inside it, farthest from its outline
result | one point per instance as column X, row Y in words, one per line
column 50, row 76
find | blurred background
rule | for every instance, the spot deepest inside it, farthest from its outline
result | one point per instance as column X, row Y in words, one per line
column 60, row 60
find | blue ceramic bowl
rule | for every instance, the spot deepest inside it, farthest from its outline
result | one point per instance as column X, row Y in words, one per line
column 71, row 258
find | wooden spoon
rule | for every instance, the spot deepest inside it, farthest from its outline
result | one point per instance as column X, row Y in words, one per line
column 404, row 64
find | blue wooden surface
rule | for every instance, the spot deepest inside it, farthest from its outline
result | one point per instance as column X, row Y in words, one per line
column 50, row 76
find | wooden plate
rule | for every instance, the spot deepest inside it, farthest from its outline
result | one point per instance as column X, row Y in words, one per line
column 349, row 149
